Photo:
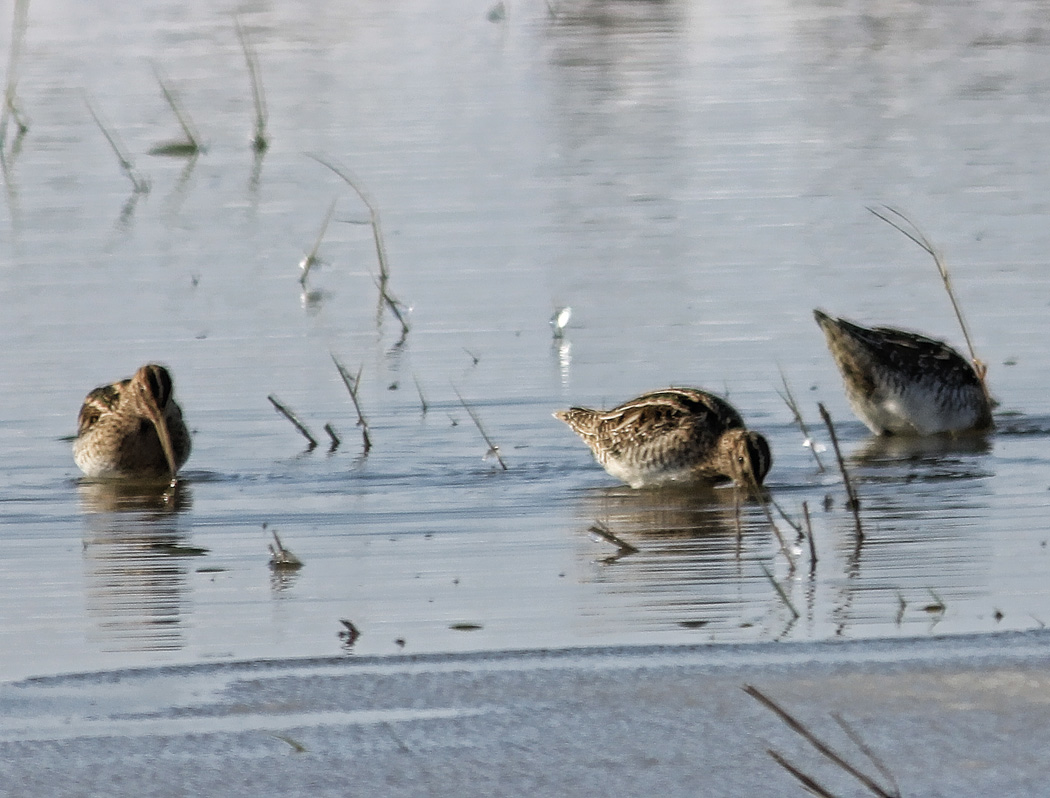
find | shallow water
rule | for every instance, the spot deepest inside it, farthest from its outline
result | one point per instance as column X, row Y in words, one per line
column 692, row 182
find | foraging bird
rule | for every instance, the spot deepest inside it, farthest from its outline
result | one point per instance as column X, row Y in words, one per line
column 132, row 429
column 677, row 434
column 903, row 383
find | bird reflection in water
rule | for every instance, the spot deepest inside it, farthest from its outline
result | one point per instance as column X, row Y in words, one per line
column 698, row 564
column 136, row 561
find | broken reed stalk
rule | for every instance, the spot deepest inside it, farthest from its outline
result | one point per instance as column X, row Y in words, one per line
column 809, row 536
column 823, row 748
column 288, row 414
column 192, row 144
column 912, row 231
column 333, row 435
column 352, row 384
column 19, row 23
column 779, row 589
column 811, row 784
column 311, row 257
column 419, row 390
column 789, row 400
column 141, row 185
column 385, row 297
column 852, row 501
column 260, row 141
column 602, row 531
column 493, row 448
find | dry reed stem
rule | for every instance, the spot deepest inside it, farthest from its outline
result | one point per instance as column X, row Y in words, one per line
column 385, row 296
column 823, row 748
column 352, row 384
column 809, row 536
column 852, row 501
column 603, row 531
column 779, row 589
column 855, row 737
column 493, row 448
column 333, row 435
column 916, row 235
column 419, row 390
column 141, row 185
column 811, row 784
column 789, row 400
column 762, row 500
column 260, row 141
column 288, row 414
column 192, row 144
column 311, row 257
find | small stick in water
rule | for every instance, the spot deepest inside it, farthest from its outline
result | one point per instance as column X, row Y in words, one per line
column 311, row 257
column 601, row 530
column 352, row 384
column 140, row 185
column 191, row 145
column 852, row 501
column 334, row 436
column 779, row 589
column 493, row 448
column 912, row 231
column 260, row 141
column 288, row 414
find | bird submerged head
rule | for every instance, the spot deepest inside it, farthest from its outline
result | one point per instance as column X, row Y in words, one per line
column 748, row 457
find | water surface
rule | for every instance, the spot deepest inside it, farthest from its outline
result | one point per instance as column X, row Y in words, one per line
column 691, row 180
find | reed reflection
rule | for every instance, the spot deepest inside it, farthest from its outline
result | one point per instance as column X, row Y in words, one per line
column 698, row 565
column 136, row 561
column 925, row 505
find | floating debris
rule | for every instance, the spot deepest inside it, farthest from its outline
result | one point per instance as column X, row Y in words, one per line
column 282, row 559
column 559, row 320
column 349, row 633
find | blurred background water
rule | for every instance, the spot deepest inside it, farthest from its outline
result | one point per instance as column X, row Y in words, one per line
column 692, row 179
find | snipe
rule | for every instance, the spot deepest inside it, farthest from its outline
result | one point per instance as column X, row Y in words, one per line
column 673, row 435
column 132, row 429
column 903, row 383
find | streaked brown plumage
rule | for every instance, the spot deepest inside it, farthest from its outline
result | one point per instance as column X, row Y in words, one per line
column 672, row 435
column 903, row 383
column 132, row 428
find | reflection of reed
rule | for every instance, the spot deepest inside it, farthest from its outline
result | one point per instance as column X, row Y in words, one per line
column 697, row 566
column 926, row 503
column 135, row 567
